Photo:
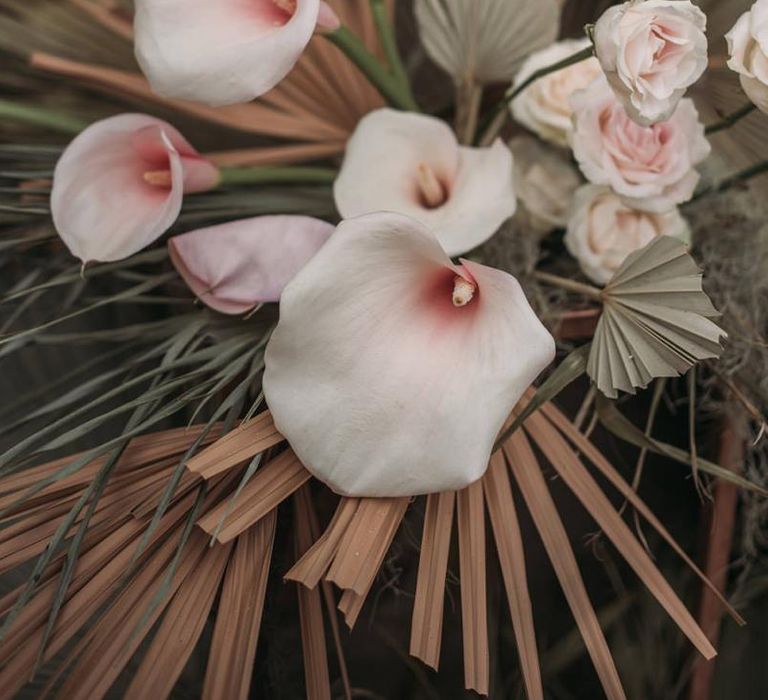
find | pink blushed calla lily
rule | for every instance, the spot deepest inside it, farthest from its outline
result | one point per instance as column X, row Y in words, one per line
column 226, row 51
column 392, row 370
column 412, row 164
column 233, row 267
column 119, row 185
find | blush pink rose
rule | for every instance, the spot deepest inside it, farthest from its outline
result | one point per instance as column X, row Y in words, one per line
column 652, row 52
column 651, row 167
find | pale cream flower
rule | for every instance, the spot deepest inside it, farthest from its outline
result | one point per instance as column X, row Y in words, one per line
column 603, row 231
column 748, row 48
column 545, row 180
column 545, row 106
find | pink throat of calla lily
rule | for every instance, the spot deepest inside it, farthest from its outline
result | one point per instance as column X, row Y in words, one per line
column 282, row 11
column 285, row 10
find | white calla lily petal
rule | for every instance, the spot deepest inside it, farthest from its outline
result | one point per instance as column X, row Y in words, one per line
column 394, row 160
column 221, row 52
column 392, row 370
column 119, row 185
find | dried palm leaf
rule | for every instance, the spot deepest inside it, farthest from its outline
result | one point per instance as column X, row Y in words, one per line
column 427, row 619
column 655, row 321
column 484, row 42
column 177, row 576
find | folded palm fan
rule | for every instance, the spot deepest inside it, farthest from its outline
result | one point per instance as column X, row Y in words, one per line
column 154, row 559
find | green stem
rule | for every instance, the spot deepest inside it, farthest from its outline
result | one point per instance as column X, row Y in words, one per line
column 571, row 285
column 730, row 119
column 500, row 112
column 38, row 116
column 389, row 45
column 384, row 81
column 277, row 176
column 735, row 179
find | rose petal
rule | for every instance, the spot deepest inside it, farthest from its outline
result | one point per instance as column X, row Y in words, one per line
column 381, row 386
column 233, row 267
column 380, row 173
column 101, row 205
column 220, row 52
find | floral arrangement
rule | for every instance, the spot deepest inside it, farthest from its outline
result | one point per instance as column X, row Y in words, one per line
column 369, row 282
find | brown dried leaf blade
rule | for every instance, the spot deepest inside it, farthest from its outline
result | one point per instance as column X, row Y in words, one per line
column 527, row 473
column 233, row 647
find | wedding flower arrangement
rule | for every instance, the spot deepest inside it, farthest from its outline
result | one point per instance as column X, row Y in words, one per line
column 358, row 268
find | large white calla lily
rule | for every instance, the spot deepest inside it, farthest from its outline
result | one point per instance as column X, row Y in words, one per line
column 392, row 370
column 412, row 164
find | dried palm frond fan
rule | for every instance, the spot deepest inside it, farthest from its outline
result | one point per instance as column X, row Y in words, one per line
column 140, row 564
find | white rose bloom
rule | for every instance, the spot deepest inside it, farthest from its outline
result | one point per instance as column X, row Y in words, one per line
column 545, row 106
column 651, row 53
column 545, row 180
column 603, row 230
column 748, row 49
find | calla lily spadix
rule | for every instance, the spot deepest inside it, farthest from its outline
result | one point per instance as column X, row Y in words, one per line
column 119, row 185
column 223, row 52
column 412, row 164
column 235, row 266
column 392, row 370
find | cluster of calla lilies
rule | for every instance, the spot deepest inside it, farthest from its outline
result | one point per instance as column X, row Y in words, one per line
column 392, row 368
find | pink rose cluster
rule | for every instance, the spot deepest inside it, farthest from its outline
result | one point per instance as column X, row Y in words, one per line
column 636, row 138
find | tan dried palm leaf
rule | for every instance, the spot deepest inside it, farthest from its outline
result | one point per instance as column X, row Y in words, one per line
column 105, row 616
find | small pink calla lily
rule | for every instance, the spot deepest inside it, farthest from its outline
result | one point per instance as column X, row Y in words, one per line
column 119, row 185
column 226, row 51
column 235, row 266
column 392, row 370
column 412, row 164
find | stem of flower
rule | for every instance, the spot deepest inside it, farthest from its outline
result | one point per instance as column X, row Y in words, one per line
column 389, row 45
column 730, row 119
column 735, row 179
column 571, row 285
column 500, row 113
column 277, row 176
column 468, row 99
column 38, row 116
column 384, row 81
